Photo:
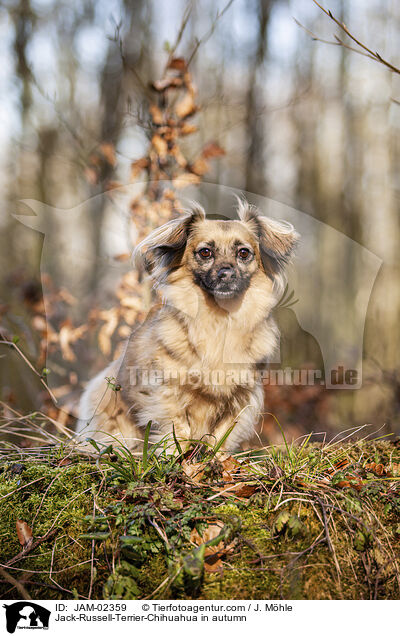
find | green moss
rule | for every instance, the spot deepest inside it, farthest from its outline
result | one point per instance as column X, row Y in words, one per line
column 278, row 544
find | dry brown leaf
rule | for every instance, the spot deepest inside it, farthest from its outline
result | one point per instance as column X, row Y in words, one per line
column 212, row 554
column 343, row 484
column 338, row 466
column 211, row 150
column 243, row 490
column 138, row 166
column 68, row 336
column 378, row 469
column 176, row 152
column 200, row 166
column 231, row 464
column 132, row 302
column 187, row 129
column 124, row 331
column 108, row 152
column 160, row 146
column 66, row 461
column 24, row 533
column 156, row 115
column 230, row 467
column 121, row 258
column 167, row 82
column 185, row 179
column 211, row 532
column 186, row 106
column 39, row 323
column 213, row 564
column 177, row 63
column 194, row 471
column 107, row 330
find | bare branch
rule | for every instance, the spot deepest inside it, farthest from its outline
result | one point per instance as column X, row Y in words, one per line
column 363, row 48
column 209, row 33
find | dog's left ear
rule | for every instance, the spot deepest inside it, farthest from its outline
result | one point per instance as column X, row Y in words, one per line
column 277, row 239
column 162, row 250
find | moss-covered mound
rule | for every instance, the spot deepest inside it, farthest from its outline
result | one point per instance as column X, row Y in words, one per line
column 312, row 522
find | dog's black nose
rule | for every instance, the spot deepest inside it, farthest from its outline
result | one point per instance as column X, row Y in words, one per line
column 226, row 272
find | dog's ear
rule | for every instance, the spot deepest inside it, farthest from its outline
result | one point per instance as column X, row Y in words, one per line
column 162, row 250
column 277, row 239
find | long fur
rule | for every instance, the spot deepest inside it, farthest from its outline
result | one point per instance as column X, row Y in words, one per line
column 170, row 369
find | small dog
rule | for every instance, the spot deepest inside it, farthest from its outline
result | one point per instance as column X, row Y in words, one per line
column 191, row 367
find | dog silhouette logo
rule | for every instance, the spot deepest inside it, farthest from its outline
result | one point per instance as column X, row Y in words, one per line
column 26, row 615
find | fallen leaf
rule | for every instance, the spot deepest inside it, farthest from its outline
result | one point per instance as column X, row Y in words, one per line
column 211, row 532
column 24, row 534
column 338, row 466
column 343, row 484
column 212, row 553
column 194, row 471
column 213, row 564
column 377, row 469
column 66, row 461
column 244, row 490
column 230, row 463
column 230, row 466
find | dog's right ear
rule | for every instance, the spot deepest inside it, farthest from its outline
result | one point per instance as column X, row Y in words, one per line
column 162, row 250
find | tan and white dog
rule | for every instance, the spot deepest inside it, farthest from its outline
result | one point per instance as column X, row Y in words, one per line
column 191, row 366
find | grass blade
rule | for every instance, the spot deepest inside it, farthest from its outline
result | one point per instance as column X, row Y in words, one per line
column 146, row 445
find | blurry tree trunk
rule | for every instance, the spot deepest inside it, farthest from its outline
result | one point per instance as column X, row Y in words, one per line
column 23, row 23
column 255, row 128
column 349, row 204
column 114, row 88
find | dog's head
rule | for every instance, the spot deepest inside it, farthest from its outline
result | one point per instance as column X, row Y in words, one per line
column 222, row 257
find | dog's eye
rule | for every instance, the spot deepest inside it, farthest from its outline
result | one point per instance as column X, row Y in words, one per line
column 243, row 253
column 205, row 252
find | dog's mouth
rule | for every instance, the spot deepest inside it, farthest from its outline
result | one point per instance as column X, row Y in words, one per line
column 224, row 291
column 227, row 293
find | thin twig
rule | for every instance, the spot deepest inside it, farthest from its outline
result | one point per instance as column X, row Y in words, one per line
column 17, row 584
column 29, row 548
column 209, row 33
column 92, row 554
column 13, row 345
column 365, row 50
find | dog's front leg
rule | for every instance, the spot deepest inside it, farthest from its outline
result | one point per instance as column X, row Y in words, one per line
column 243, row 425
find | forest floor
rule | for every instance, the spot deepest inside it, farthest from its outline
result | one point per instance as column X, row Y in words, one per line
column 303, row 521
